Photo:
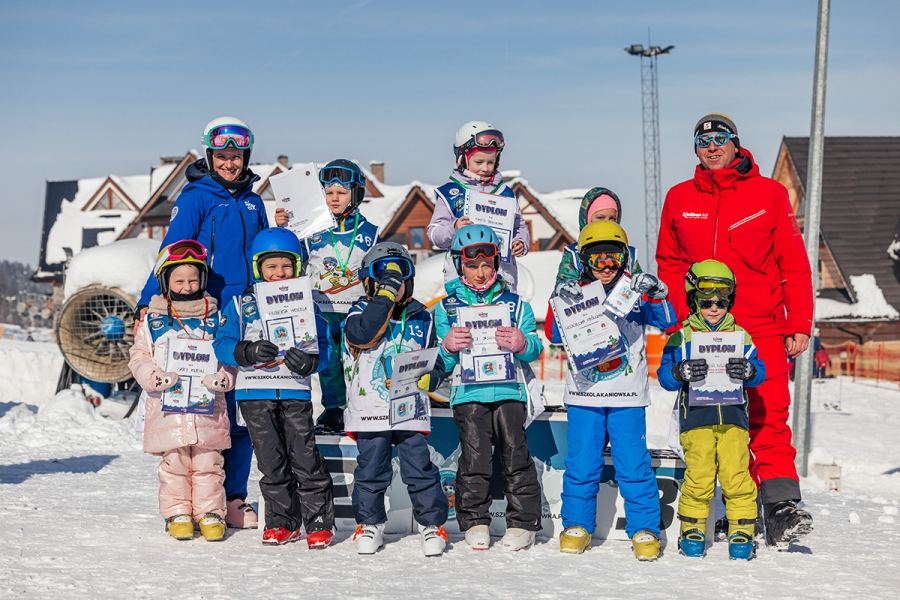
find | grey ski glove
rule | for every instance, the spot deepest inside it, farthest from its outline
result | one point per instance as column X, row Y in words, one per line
column 568, row 289
column 690, row 370
column 647, row 283
column 740, row 368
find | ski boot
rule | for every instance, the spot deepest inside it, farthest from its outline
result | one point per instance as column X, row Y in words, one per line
column 574, row 540
column 212, row 527
column 646, row 545
column 434, row 540
column 692, row 543
column 479, row 537
column 331, row 422
column 369, row 538
column 319, row 540
column 516, row 539
column 721, row 530
column 280, row 536
column 180, row 527
column 240, row 515
column 785, row 523
column 741, row 545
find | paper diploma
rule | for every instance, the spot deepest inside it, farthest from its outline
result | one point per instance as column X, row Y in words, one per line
column 716, row 347
column 192, row 360
column 589, row 335
column 497, row 212
column 407, row 400
column 621, row 299
column 299, row 192
column 484, row 361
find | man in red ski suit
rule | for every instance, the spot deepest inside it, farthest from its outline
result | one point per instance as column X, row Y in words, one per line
column 731, row 213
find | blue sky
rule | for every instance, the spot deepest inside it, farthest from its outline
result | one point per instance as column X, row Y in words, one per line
column 90, row 89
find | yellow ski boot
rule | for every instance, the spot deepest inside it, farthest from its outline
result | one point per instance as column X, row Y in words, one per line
column 180, row 527
column 646, row 545
column 212, row 527
column 574, row 540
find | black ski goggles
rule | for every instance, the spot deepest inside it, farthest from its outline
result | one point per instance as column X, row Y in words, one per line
column 707, row 304
column 473, row 251
column 340, row 176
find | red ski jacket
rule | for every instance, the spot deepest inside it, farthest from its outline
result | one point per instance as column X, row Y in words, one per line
column 744, row 220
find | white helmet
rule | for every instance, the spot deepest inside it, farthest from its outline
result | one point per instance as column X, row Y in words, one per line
column 476, row 134
column 224, row 132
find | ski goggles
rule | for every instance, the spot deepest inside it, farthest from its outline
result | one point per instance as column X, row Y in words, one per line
column 485, row 139
column 713, row 286
column 473, row 251
column 599, row 261
column 720, row 138
column 237, row 136
column 707, row 304
column 185, row 248
column 379, row 268
column 341, row 176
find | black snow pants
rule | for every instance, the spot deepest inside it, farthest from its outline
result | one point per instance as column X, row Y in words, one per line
column 295, row 483
column 501, row 425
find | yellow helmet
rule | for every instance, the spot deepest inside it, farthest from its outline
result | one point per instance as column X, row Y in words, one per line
column 602, row 231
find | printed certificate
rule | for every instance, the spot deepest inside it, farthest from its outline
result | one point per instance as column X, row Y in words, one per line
column 407, row 400
column 299, row 192
column 621, row 299
column 716, row 347
column 497, row 212
column 192, row 360
column 484, row 361
column 589, row 335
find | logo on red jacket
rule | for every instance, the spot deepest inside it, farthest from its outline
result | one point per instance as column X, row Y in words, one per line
column 694, row 215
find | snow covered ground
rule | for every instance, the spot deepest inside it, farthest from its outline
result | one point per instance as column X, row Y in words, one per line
column 79, row 513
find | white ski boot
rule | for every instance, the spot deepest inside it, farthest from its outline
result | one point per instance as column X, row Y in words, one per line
column 369, row 538
column 479, row 537
column 434, row 540
column 517, row 539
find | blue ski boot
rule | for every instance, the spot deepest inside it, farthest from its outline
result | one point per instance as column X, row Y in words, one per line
column 692, row 543
column 741, row 545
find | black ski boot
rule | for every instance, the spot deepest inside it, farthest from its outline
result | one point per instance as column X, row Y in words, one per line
column 785, row 523
column 330, row 422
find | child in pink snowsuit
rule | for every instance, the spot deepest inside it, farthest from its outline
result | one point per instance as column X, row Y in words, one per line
column 191, row 473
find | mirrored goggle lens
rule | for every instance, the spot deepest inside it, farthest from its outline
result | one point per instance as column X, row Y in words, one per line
column 379, row 267
column 719, row 139
column 721, row 303
column 182, row 249
column 709, row 287
column 491, row 137
column 605, row 260
column 338, row 175
column 223, row 136
column 476, row 250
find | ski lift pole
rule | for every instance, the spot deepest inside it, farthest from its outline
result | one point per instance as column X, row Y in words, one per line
column 803, row 383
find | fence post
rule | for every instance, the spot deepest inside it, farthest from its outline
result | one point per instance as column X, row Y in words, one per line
column 543, row 352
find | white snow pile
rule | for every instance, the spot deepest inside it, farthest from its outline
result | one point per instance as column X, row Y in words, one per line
column 29, row 371
column 870, row 303
column 125, row 264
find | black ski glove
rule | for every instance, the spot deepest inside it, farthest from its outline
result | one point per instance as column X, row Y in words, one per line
column 432, row 380
column 740, row 368
column 300, row 362
column 248, row 353
column 390, row 281
column 690, row 370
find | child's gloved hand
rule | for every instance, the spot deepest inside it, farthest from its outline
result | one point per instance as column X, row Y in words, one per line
column 568, row 289
column 690, row 370
column 300, row 362
column 432, row 380
column 160, row 382
column 740, row 368
column 512, row 339
column 647, row 283
column 390, row 281
column 458, row 338
column 250, row 353
column 215, row 382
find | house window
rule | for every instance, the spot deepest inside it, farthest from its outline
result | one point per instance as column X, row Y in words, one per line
column 416, row 237
column 111, row 201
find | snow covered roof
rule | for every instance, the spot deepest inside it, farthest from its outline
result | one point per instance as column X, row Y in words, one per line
column 870, row 306
column 124, row 265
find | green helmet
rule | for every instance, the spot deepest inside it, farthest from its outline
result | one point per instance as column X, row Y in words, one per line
column 710, row 278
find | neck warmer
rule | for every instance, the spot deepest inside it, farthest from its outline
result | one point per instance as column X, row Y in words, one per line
column 476, row 288
column 188, row 309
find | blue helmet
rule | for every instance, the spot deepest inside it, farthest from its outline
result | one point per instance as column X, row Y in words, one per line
column 348, row 175
column 277, row 240
column 477, row 238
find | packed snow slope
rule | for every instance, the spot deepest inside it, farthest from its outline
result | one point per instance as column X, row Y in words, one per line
column 80, row 520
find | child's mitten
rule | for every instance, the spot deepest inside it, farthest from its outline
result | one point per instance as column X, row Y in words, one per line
column 390, row 282
column 512, row 339
column 690, row 370
column 215, row 382
column 458, row 338
column 160, row 382
column 432, row 380
column 740, row 368
column 568, row 289
column 647, row 283
column 300, row 362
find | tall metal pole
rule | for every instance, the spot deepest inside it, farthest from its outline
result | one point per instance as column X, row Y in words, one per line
column 650, row 118
column 813, row 200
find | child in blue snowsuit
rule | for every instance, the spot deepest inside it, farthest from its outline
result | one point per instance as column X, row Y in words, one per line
column 610, row 400
column 490, row 416
column 295, row 483
column 334, row 259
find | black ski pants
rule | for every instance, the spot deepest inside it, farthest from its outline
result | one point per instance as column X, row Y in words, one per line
column 484, row 428
column 295, row 483
column 374, row 473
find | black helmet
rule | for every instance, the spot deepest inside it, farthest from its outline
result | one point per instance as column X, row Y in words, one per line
column 348, row 175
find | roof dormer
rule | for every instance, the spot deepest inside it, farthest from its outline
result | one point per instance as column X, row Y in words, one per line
column 110, row 197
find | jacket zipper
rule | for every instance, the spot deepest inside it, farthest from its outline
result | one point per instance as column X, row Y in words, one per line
column 244, row 246
column 212, row 243
column 718, row 206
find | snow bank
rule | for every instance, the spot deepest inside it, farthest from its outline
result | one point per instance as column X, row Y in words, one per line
column 125, row 264
column 870, row 303
column 29, row 371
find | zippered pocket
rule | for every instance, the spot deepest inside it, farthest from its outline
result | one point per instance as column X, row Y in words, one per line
column 747, row 238
column 745, row 220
